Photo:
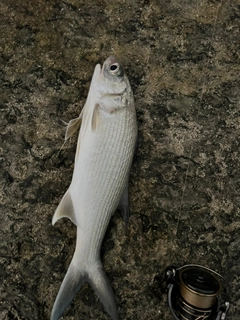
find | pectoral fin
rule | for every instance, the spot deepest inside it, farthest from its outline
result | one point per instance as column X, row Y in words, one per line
column 65, row 209
column 72, row 127
column 123, row 205
column 88, row 116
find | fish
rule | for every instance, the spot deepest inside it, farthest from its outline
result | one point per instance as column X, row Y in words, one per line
column 104, row 154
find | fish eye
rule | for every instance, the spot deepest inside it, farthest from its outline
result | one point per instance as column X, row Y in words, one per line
column 114, row 68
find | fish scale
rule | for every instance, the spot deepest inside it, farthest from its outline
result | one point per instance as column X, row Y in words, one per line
column 103, row 180
column 104, row 154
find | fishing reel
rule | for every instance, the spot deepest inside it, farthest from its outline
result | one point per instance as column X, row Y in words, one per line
column 196, row 293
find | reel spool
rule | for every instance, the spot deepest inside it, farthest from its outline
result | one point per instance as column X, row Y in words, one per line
column 196, row 293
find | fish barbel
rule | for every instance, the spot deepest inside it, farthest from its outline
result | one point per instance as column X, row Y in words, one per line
column 104, row 154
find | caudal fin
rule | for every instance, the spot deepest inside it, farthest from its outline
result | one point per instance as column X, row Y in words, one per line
column 73, row 281
column 103, row 289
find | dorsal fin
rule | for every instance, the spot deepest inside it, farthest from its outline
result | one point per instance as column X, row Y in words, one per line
column 65, row 209
column 89, row 123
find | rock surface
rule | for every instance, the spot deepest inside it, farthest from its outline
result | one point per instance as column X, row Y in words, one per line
column 182, row 59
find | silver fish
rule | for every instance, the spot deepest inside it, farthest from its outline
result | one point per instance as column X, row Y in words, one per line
column 103, row 159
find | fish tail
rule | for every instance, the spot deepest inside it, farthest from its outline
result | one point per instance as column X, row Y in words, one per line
column 101, row 285
column 72, row 282
column 75, row 278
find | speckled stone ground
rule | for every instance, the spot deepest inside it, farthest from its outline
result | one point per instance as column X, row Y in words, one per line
column 182, row 59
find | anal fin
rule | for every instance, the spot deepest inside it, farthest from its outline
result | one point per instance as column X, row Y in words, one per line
column 65, row 209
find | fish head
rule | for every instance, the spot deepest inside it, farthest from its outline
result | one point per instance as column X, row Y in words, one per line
column 112, row 70
column 112, row 88
column 113, row 75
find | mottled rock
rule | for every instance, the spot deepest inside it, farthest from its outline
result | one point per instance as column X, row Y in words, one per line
column 182, row 59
